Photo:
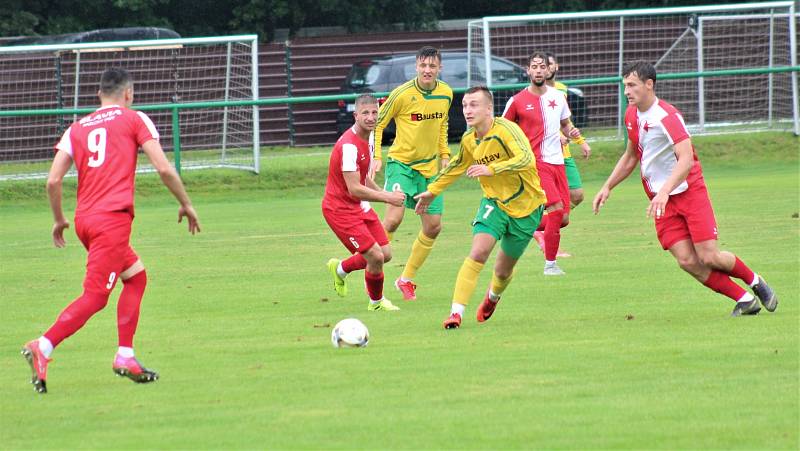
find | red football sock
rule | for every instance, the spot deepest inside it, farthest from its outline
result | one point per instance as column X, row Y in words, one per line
column 721, row 283
column 552, row 234
column 128, row 307
column 374, row 285
column 540, row 227
column 741, row 271
column 354, row 263
column 72, row 318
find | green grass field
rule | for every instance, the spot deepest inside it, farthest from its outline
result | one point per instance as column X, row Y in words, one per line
column 626, row 351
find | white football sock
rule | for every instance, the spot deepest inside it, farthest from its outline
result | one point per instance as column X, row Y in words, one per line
column 549, row 263
column 457, row 308
column 746, row 298
column 755, row 280
column 45, row 346
column 340, row 271
column 125, row 352
column 403, row 279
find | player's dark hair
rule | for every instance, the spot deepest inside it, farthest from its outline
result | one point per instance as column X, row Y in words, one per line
column 537, row 54
column 114, row 80
column 484, row 90
column 366, row 99
column 644, row 71
column 429, row 52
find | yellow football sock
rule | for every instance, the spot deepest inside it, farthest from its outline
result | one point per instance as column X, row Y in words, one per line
column 499, row 285
column 466, row 281
column 419, row 252
column 389, row 234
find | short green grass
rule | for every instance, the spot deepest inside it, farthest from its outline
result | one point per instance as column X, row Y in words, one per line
column 626, row 351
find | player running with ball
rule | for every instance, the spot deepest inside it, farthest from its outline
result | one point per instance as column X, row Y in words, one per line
column 347, row 211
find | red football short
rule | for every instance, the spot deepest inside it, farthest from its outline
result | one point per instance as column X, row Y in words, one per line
column 688, row 215
column 553, row 178
column 358, row 231
column 107, row 238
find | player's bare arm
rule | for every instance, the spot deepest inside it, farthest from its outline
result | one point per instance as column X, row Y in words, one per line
column 361, row 192
column 585, row 148
column 173, row 182
column 683, row 152
column 569, row 130
column 61, row 164
column 372, row 185
column 625, row 165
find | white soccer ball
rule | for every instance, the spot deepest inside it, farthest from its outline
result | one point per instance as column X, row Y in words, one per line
column 349, row 333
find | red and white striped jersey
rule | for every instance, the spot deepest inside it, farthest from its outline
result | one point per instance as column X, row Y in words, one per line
column 540, row 118
column 653, row 133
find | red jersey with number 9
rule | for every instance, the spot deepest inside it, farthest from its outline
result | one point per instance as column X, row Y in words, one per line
column 104, row 147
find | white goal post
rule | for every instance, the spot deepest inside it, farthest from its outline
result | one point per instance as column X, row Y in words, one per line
column 165, row 72
column 750, row 49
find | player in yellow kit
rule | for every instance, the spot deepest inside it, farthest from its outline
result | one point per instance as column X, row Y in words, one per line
column 499, row 155
column 419, row 109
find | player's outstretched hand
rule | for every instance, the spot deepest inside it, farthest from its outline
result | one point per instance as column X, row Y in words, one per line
column 191, row 215
column 423, row 199
column 396, row 198
column 600, row 199
column 479, row 170
column 58, row 233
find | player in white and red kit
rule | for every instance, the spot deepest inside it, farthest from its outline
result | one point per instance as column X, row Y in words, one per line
column 347, row 211
column 541, row 111
column 104, row 146
column 673, row 181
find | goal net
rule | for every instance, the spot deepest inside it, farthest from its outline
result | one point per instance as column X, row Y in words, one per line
column 165, row 72
column 737, row 39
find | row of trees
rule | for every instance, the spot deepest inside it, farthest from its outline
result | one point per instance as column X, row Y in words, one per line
column 216, row 17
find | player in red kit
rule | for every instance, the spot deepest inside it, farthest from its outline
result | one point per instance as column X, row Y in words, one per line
column 347, row 211
column 541, row 111
column 103, row 147
column 673, row 181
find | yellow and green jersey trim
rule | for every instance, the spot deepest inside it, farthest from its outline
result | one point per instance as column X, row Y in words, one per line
column 505, row 150
column 421, row 118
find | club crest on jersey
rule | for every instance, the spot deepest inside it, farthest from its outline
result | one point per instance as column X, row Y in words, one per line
column 488, row 158
column 552, row 104
column 417, row 117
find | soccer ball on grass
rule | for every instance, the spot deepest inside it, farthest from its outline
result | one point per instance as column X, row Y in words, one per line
column 349, row 333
